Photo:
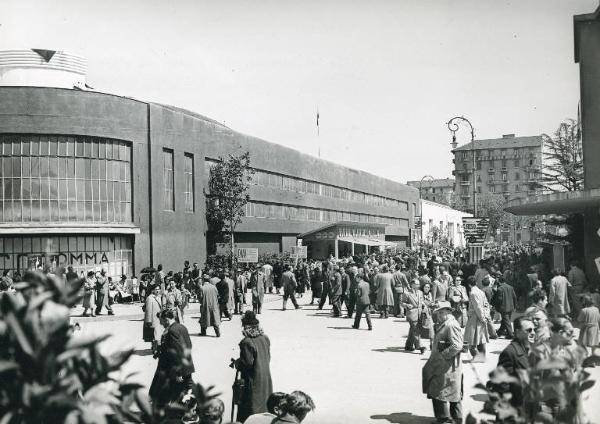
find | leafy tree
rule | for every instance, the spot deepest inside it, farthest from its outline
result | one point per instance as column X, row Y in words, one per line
column 51, row 373
column 563, row 158
column 228, row 185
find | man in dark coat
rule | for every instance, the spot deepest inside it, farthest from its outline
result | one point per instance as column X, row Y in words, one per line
column 288, row 281
column 335, row 291
column 363, row 300
column 515, row 356
column 209, row 308
column 505, row 302
column 223, row 289
column 254, row 366
column 400, row 286
column 173, row 376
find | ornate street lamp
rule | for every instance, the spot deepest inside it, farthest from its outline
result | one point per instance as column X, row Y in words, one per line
column 453, row 126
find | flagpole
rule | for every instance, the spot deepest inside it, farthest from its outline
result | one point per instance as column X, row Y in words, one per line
column 318, row 141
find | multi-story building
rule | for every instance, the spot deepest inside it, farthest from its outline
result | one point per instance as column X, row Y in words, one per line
column 440, row 190
column 507, row 168
column 94, row 180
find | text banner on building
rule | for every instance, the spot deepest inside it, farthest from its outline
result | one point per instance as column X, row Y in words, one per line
column 299, row 252
column 247, row 254
column 475, row 230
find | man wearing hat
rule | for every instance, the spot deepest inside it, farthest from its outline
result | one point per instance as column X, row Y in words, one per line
column 239, row 291
column 336, row 290
column 442, row 373
column 210, row 315
column 258, row 284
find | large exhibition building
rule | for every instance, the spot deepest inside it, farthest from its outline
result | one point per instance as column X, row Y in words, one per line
column 91, row 179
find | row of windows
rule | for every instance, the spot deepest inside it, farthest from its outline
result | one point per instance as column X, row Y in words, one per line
column 520, row 152
column 299, row 185
column 299, row 213
column 64, row 146
column 169, row 181
column 62, row 167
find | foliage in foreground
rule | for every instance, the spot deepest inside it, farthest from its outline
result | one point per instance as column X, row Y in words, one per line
column 48, row 374
column 551, row 392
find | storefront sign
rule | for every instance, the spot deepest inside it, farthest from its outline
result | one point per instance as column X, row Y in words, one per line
column 246, row 254
column 475, row 230
column 93, row 258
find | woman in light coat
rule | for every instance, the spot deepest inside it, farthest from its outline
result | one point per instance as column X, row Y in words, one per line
column 558, row 297
column 476, row 333
column 89, row 294
column 152, row 326
column 589, row 318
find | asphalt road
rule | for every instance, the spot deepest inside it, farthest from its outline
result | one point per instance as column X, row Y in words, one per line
column 354, row 376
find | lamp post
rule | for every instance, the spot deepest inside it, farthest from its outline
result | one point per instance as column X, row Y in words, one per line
column 420, row 203
column 453, row 126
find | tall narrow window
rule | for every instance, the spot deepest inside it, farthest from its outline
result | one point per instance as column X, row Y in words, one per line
column 189, row 183
column 168, row 181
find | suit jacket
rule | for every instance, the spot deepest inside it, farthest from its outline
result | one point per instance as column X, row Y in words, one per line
column 506, row 298
column 362, row 293
column 335, row 281
column 288, row 281
column 514, row 357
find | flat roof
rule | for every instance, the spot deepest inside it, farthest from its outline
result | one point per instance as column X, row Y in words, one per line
column 503, row 143
column 345, row 224
column 563, row 202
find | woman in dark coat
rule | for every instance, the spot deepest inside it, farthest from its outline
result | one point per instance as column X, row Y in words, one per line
column 253, row 364
column 316, row 285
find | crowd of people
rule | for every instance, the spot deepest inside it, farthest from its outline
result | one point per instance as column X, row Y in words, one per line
column 452, row 307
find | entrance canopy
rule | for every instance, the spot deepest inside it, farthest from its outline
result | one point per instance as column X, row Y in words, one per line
column 345, row 238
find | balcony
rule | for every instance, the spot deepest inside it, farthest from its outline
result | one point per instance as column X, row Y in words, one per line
column 491, row 170
column 465, row 183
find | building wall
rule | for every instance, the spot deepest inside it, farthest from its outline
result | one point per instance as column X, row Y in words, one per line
column 448, row 220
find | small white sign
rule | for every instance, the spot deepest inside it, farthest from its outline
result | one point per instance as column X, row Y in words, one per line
column 299, row 252
column 299, row 242
column 597, row 260
column 246, row 254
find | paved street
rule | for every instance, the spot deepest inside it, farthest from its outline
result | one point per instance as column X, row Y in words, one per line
column 353, row 376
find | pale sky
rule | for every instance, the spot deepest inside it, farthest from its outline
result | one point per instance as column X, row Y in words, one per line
column 385, row 75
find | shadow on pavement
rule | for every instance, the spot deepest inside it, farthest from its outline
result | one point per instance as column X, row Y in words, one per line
column 136, row 320
column 403, row 418
column 397, row 349
column 343, row 328
column 143, row 352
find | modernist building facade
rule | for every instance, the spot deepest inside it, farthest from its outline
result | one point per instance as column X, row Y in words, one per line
column 97, row 180
column 440, row 222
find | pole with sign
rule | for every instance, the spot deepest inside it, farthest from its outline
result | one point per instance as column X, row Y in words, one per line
column 475, row 231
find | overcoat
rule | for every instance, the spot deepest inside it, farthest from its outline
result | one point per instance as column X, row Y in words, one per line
column 231, row 298
column 558, row 297
column 316, row 285
column 458, row 298
column 479, row 312
column 102, row 290
column 171, row 299
column 267, row 269
column 254, row 366
column 506, row 299
column 288, row 281
column 89, row 293
column 442, row 374
column 589, row 318
column 175, row 346
column 151, row 310
column 383, row 283
column 258, row 282
column 209, row 310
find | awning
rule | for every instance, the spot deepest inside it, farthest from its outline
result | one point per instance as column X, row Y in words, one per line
column 564, row 202
column 367, row 241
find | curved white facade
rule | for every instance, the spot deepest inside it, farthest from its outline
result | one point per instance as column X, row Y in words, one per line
column 27, row 68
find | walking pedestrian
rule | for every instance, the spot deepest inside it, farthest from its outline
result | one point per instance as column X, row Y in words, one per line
column 558, row 300
column 258, row 284
column 413, row 302
column 173, row 375
column 588, row 319
column 288, row 281
column 316, row 285
column 363, row 300
column 89, row 294
column 505, row 302
column 335, row 291
column 152, row 326
column 102, row 298
column 210, row 315
column 223, row 290
column 239, row 291
column 476, row 332
column 385, row 296
column 442, row 373
column 254, row 367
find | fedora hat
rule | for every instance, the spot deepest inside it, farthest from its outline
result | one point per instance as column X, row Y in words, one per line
column 442, row 305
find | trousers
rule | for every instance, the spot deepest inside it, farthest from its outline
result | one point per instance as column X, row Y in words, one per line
column 360, row 310
column 290, row 295
column 447, row 412
column 413, row 340
column 506, row 325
